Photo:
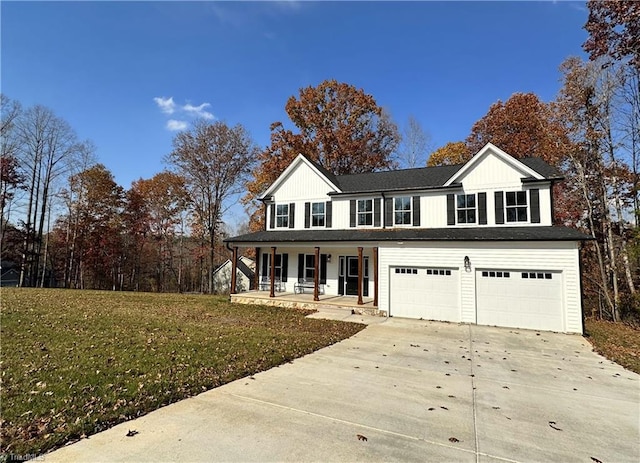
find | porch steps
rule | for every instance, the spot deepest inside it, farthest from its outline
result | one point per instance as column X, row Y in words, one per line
column 366, row 309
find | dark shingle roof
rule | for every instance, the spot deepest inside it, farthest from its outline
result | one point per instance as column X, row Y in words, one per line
column 544, row 169
column 542, row 233
column 393, row 180
column 417, row 178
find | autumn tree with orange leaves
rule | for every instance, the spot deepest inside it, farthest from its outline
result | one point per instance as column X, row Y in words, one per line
column 338, row 126
column 455, row 152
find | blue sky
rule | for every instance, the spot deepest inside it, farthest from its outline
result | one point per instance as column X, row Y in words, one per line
column 124, row 74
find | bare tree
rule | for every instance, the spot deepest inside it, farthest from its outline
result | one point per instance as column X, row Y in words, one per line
column 415, row 144
column 215, row 160
column 47, row 144
column 10, row 178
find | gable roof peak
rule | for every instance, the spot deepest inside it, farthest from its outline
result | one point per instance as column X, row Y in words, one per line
column 490, row 148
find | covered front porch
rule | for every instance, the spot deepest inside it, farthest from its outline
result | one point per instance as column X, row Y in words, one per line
column 307, row 301
column 301, row 273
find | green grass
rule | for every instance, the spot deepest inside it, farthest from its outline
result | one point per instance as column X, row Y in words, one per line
column 616, row 341
column 76, row 362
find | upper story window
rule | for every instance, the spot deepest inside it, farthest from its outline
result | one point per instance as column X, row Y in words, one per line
column 516, row 206
column 402, row 210
column 318, row 214
column 466, row 206
column 282, row 215
column 365, row 212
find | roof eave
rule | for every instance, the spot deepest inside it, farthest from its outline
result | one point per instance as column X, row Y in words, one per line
column 453, row 186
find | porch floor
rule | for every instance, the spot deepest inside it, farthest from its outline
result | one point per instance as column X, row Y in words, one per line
column 305, row 301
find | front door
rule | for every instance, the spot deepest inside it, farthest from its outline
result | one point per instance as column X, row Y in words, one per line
column 348, row 276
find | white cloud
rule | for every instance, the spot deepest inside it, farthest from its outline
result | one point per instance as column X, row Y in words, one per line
column 198, row 111
column 186, row 112
column 175, row 125
column 166, row 105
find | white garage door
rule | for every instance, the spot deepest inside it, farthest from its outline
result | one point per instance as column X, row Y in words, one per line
column 520, row 299
column 428, row 293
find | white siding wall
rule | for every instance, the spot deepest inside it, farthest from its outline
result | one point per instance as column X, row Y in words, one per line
column 559, row 256
column 492, row 174
column 302, row 185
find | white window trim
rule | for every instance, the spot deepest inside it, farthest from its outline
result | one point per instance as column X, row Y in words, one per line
column 284, row 216
column 276, row 268
column 410, row 211
column 516, row 206
column 474, row 208
column 324, row 214
column 358, row 213
column 306, row 267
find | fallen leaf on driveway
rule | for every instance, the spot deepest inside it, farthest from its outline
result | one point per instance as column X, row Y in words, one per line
column 453, row 439
column 552, row 425
column 132, row 433
column 362, row 438
column 596, row 460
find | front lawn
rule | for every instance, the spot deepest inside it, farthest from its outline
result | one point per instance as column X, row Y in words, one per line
column 615, row 341
column 76, row 362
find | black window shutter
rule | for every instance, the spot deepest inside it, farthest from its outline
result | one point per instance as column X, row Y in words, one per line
column 292, row 214
column 300, row 268
column 285, row 266
column 482, row 208
column 323, row 269
column 352, row 213
column 307, row 215
column 451, row 209
column 388, row 212
column 328, row 214
column 376, row 212
column 499, row 200
column 416, row 211
column 534, row 196
column 265, row 265
column 272, row 218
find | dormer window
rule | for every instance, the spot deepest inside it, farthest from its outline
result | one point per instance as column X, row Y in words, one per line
column 365, row 212
column 516, row 206
column 402, row 210
column 282, row 216
column 466, row 208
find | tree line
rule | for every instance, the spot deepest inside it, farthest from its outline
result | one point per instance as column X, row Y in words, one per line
column 164, row 233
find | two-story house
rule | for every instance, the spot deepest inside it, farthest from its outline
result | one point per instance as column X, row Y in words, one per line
column 472, row 243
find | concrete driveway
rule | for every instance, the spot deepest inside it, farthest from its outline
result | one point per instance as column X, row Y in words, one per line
column 402, row 390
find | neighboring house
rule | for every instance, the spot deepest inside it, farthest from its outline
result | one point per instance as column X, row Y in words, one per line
column 472, row 243
column 245, row 268
column 9, row 274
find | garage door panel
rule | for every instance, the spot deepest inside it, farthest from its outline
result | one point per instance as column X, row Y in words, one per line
column 523, row 299
column 428, row 293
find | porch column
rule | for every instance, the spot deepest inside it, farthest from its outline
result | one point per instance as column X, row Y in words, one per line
column 316, row 271
column 360, row 302
column 256, row 274
column 375, row 277
column 234, row 269
column 272, row 277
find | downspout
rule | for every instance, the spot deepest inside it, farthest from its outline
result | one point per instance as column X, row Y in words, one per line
column 581, row 285
column 384, row 212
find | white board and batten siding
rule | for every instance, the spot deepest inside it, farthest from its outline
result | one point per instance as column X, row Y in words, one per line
column 494, row 174
column 301, row 184
column 558, row 257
